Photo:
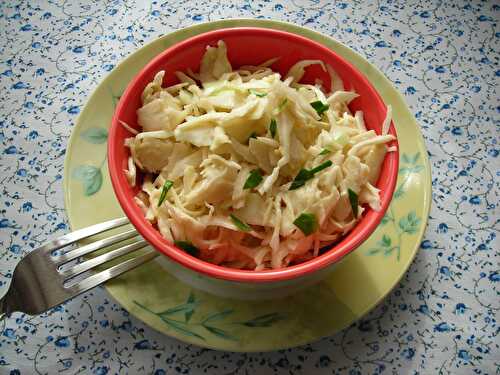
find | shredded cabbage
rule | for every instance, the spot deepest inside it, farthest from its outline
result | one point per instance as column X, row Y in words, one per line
column 248, row 153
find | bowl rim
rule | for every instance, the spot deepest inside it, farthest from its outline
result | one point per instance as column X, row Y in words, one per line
column 162, row 245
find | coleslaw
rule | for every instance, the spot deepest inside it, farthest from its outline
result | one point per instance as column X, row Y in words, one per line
column 247, row 169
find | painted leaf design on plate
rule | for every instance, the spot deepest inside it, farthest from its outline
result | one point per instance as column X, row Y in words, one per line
column 114, row 97
column 185, row 307
column 385, row 219
column 408, row 159
column 181, row 327
column 413, row 169
column 410, row 223
column 208, row 322
column 399, row 192
column 90, row 177
column 264, row 320
column 220, row 333
column 189, row 313
column 385, row 241
column 176, row 325
column 217, row 316
column 216, row 330
column 95, row 135
column 388, row 251
column 373, row 251
column 406, row 171
column 385, row 245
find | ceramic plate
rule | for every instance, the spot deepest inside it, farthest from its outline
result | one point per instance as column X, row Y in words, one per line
column 171, row 307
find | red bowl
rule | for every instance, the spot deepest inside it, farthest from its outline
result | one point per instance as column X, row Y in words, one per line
column 247, row 46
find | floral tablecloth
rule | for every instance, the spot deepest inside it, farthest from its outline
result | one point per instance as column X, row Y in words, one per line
column 443, row 55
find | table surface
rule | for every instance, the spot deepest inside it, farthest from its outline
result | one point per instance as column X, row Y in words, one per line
column 442, row 55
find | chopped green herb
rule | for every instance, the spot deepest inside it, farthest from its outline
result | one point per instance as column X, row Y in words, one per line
column 325, row 151
column 166, row 187
column 240, row 224
column 188, row 247
column 305, row 175
column 253, row 179
column 353, row 198
column 256, row 93
column 273, row 126
column 302, row 177
column 322, row 166
column 306, row 223
column 320, row 107
column 282, row 104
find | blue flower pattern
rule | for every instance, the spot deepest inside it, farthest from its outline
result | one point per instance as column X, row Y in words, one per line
column 442, row 55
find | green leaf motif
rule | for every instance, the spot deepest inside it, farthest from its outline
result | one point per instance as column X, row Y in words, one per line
column 186, row 307
column 388, row 251
column 373, row 251
column 184, row 327
column 412, row 160
column 404, row 170
column 385, row 241
column 385, row 219
column 410, row 170
column 417, row 169
column 116, row 99
column 217, row 316
column 90, row 177
column 220, row 333
column 410, row 223
column 189, row 314
column 399, row 191
column 180, row 327
column 95, row 135
column 264, row 320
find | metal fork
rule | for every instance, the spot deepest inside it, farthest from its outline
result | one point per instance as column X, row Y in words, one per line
column 40, row 282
